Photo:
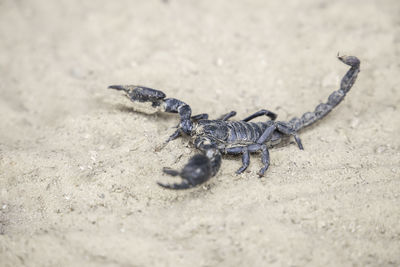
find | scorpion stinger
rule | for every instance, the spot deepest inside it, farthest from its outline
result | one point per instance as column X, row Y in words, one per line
column 222, row 136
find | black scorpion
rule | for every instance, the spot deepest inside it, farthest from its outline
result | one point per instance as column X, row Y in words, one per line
column 221, row 136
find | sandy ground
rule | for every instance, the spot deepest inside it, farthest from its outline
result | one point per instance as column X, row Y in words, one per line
column 78, row 167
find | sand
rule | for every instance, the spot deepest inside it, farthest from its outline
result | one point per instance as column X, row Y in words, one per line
column 78, row 166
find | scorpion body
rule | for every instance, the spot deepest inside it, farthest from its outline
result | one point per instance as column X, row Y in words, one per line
column 228, row 135
column 222, row 136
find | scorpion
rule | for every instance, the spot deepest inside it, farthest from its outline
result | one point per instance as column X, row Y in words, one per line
column 223, row 136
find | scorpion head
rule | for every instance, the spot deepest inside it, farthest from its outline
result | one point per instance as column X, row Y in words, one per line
column 216, row 130
column 187, row 127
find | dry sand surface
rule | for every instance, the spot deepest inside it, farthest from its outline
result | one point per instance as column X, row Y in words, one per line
column 78, row 167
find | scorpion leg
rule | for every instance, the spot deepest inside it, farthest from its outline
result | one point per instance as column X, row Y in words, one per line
column 202, row 116
column 245, row 156
column 173, row 136
column 262, row 112
column 245, row 160
column 264, row 159
column 245, row 151
column 267, row 134
column 285, row 128
column 200, row 167
column 227, row 116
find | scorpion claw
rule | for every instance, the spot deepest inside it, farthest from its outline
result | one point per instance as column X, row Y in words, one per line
column 195, row 172
column 183, row 185
column 118, row 88
column 140, row 93
column 349, row 60
column 170, row 171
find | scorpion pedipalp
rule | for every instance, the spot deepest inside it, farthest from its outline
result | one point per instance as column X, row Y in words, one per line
column 195, row 172
column 140, row 93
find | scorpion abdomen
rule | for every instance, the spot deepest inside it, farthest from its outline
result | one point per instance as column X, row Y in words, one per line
column 215, row 129
column 241, row 132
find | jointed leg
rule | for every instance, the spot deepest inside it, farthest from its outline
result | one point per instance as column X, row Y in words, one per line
column 245, row 160
column 266, row 135
column 264, row 159
column 202, row 116
column 286, row 128
column 245, row 151
column 173, row 136
column 227, row 116
column 262, row 112
column 245, row 157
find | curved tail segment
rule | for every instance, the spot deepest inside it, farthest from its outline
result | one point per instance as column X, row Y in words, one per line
column 334, row 99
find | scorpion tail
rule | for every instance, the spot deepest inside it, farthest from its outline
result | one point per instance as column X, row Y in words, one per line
column 334, row 99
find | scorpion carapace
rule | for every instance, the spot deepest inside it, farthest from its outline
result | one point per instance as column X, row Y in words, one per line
column 222, row 136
